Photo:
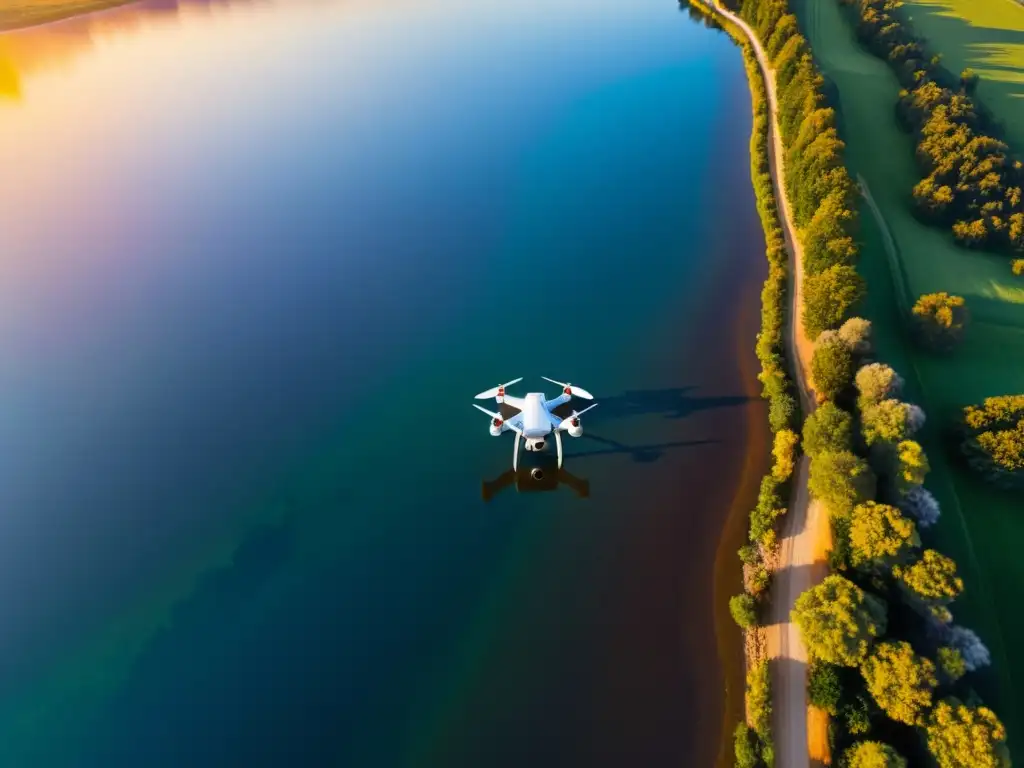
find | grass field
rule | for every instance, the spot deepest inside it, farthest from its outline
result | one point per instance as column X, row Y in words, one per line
column 26, row 13
column 901, row 258
column 988, row 37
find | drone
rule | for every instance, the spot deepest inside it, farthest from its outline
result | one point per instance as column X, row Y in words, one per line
column 535, row 417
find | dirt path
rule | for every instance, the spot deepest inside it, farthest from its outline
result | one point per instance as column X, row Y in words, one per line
column 806, row 534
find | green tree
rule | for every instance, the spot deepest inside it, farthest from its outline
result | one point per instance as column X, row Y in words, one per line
column 931, row 583
column 782, row 411
column 828, row 429
column 824, row 688
column 879, row 534
column 744, row 610
column 759, row 699
column 745, row 746
column 940, row 320
column 832, row 368
column 960, row 736
column 838, row 621
column 900, row 681
column 841, row 481
column 829, row 296
column 877, row 382
column 873, row 754
column 888, row 421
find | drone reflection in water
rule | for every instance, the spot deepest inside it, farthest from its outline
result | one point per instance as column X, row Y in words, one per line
column 543, row 474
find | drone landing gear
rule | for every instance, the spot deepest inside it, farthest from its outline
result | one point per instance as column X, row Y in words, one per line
column 515, row 454
column 558, row 444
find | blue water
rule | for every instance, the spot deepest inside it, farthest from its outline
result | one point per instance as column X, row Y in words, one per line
column 255, row 266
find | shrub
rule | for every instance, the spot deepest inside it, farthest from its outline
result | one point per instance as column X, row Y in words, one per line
column 838, row 621
column 969, row 80
column 900, row 681
column 1017, row 267
column 877, row 382
column 959, row 735
column 889, row 421
column 782, row 412
column 784, row 452
column 744, row 610
column 824, row 688
column 940, row 320
column 759, row 699
column 832, row 368
column 994, row 440
column 932, row 578
column 769, row 507
column 841, row 481
column 919, row 504
column 828, row 429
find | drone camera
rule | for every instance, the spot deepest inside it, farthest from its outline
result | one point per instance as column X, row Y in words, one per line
column 537, row 473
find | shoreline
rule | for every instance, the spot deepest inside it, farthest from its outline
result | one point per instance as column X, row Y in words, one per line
column 12, row 20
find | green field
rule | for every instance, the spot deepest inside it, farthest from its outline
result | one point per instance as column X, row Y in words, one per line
column 901, row 258
column 988, row 37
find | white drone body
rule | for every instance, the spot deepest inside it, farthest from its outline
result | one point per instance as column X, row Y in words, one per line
column 536, row 419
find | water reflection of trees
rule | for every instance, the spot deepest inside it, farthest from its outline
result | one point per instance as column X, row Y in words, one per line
column 30, row 51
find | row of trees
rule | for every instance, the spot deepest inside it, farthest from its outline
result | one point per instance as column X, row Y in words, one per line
column 887, row 661
column 993, row 440
column 971, row 183
column 822, row 194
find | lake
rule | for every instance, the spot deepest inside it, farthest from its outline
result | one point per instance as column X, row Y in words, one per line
column 256, row 258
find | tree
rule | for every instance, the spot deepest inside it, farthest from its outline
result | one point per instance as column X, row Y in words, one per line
column 828, row 428
column 940, row 320
column 745, row 747
column 965, row 640
column 994, row 440
column 951, row 663
column 1017, row 267
column 782, row 411
column 922, row 506
column 889, row 421
column 824, row 688
column 873, row 754
column 838, row 621
column 829, row 296
column 856, row 333
column 959, row 736
column 841, row 481
column 879, row 534
column 744, row 610
column 877, row 382
column 832, row 368
column 900, row 681
column 932, row 578
column 969, row 80
column 784, row 451
column 912, row 466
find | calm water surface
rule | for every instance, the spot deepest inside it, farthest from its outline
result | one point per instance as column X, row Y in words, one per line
column 255, row 260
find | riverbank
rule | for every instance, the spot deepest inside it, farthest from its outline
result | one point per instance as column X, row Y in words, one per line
column 806, row 535
column 30, row 14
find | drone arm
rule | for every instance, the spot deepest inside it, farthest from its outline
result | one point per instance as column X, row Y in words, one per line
column 552, row 404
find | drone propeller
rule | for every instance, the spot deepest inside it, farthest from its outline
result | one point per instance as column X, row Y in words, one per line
column 570, row 390
column 497, row 420
column 573, row 421
column 498, row 391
